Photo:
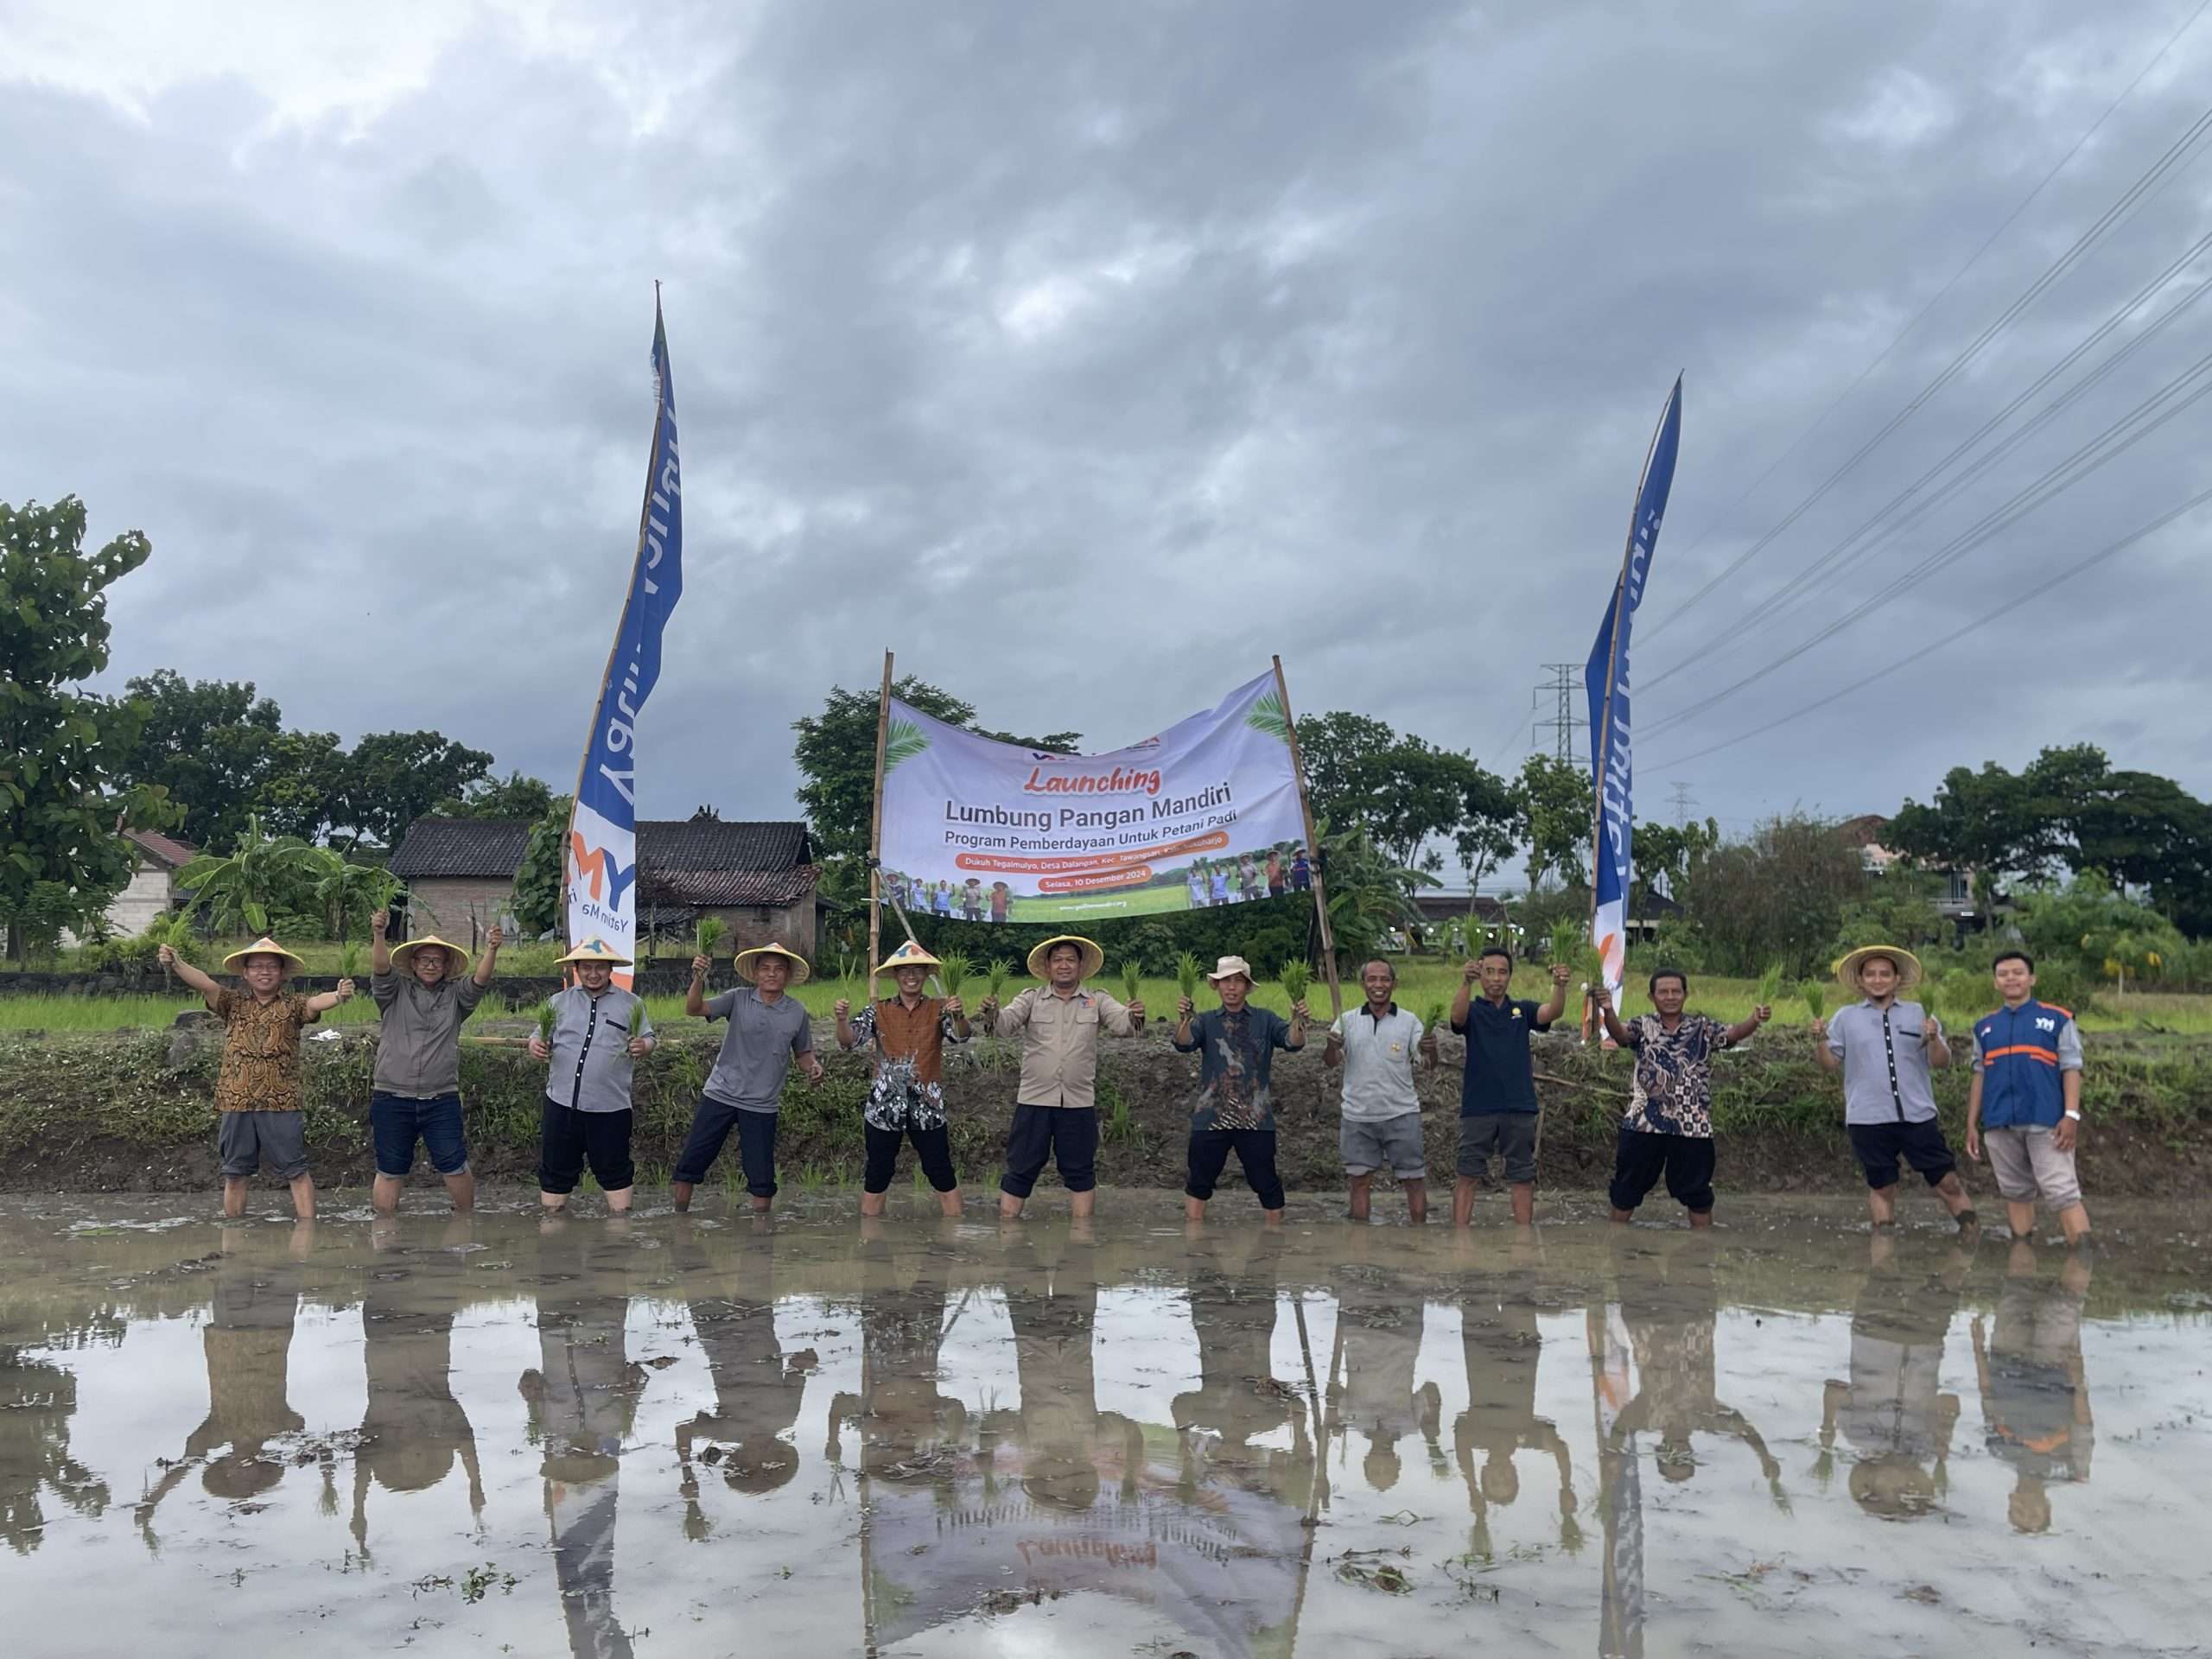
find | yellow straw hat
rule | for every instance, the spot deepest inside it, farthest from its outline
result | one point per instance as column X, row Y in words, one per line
column 909, row 955
column 1094, row 959
column 1848, row 965
column 402, row 956
column 264, row 946
column 595, row 950
column 744, row 960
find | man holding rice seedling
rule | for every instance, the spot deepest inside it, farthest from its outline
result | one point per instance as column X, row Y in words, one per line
column 2024, row 1103
column 1497, row 1094
column 905, row 1102
column 767, row 1031
column 422, row 998
column 1886, row 1050
column 1668, row 1128
column 596, row 1033
column 264, row 1117
column 1376, row 1044
column 1235, row 1109
column 1056, row 1110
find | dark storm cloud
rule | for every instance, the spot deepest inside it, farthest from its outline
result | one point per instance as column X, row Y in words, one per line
column 1087, row 355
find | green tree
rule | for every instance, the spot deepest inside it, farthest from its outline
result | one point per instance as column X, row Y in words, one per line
column 261, row 874
column 541, row 881
column 1779, row 896
column 1403, row 791
column 1554, row 813
column 63, row 795
column 835, row 753
column 208, row 743
column 501, row 800
column 2089, row 927
column 1662, row 854
column 303, row 792
column 391, row 778
column 1369, row 892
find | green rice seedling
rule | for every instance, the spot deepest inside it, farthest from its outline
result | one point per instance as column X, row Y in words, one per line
column 953, row 972
column 1132, row 981
column 1297, row 979
column 1122, row 1130
column 1771, row 985
column 707, row 936
column 921, row 1181
column 1593, row 965
column 1434, row 1018
column 1187, row 974
column 1569, row 943
column 1816, row 997
column 812, row 1178
column 996, row 972
column 349, row 962
column 545, row 1023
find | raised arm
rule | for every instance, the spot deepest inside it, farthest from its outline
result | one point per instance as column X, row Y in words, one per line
column 695, row 998
column 1549, row 1014
column 1458, row 1014
column 1332, row 1049
column 1746, row 1026
column 323, row 1001
column 193, row 980
column 1829, row 1059
column 1931, row 1039
column 1621, row 1036
column 379, row 945
column 488, row 964
column 843, row 1007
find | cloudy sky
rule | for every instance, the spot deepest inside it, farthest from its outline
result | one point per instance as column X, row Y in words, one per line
column 1086, row 355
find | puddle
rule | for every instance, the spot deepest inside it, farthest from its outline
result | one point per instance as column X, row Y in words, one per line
column 687, row 1435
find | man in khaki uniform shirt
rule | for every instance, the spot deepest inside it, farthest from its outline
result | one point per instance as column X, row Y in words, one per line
column 1055, row 1113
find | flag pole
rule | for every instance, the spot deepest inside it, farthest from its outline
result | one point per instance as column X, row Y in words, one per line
column 875, row 832
column 1320, row 890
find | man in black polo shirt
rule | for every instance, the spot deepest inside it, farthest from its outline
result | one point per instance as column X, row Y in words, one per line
column 1498, row 1098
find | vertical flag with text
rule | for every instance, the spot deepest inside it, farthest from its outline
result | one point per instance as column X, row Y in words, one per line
column 602, row 851
column 1606, row 678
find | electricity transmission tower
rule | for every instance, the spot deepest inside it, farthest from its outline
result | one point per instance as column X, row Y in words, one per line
column 1683, row 802
column 1565, row 689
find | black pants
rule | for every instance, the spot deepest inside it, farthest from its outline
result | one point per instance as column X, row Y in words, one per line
column 1067, row 1133
column 569, row 1138
column 1878, row 1147
column 1256, row 1150
column 756, row 1145
column 1686, row 1159
column 933, row 1147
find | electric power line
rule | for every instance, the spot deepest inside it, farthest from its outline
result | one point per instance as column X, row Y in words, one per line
column 1974, row 258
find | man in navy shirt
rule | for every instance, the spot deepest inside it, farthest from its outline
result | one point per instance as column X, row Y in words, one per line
column 1498, row 1098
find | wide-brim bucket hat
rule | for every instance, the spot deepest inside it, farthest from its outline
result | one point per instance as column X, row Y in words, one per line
column 594, row 950
column 909, row 955
column 744, row 960
column 1910, row 972
column 402, row 956
column 264, row 946
column 1093, row 955
column 1229, row 967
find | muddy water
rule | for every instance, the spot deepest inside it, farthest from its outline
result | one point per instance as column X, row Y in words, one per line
column 688, row 1436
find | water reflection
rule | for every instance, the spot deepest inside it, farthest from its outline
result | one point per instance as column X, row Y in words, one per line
column 1092, row 1441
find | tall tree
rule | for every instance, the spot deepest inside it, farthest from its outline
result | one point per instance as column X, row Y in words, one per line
column 1779, row 896
column 1405, row 793
column 1663, row 853
column 541, row 882
column 1554, row 808
column 501, row 800
column 391, row 778
column 835, row 753
column 208, row 742
column 62, row 798
column 304, row 793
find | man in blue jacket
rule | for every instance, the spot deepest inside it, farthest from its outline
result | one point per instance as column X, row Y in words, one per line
column 2024, row 1102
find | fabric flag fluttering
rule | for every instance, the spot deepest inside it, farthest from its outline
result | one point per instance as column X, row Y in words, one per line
column 601, row 857
column 1606, row 678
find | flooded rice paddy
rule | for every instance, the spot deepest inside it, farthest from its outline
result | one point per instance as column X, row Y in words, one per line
column 690, row 1435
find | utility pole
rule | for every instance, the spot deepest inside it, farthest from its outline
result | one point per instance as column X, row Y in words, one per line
column 1683, row 802
column 1564, row 687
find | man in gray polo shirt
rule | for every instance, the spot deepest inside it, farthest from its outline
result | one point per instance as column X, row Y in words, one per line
column 598, row 1032
column 1886, row 1050
column 1375, row 1042
column 766, row 1030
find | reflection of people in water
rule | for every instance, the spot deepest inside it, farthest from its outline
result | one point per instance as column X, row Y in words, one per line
column 412, row 1428
column 1381, row 1322
column 909, row 1430
column 1498, row 1332
column 758, row 1386
column 36, row 1401
column 1671, row 1306
column 1065, row 1439
column 248, row 1343
column 584, row 1398
column 1233, row 1294
column 1893, row 1410
column 2035, row 1398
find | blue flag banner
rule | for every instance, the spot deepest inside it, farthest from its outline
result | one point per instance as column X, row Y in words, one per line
column 1606, row 678
column 602, row 852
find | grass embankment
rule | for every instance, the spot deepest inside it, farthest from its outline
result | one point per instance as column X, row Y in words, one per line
column 109, row 1111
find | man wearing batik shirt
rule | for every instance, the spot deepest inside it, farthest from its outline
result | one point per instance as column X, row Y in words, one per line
column 1235, row 1109
column 1668, row 1128
column 905, row 1102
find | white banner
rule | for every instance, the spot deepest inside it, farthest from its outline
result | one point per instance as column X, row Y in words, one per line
column 1206, row 813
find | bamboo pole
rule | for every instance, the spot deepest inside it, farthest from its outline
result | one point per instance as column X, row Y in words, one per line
column 875, row 833
column 1313, row 840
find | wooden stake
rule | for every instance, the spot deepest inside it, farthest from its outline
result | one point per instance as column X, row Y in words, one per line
column 1314, row 842
column 875, row 833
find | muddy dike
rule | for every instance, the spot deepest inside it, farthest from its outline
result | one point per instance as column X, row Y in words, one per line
column 133, row 1112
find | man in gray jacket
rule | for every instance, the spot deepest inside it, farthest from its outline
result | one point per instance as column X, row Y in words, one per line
column 599, row 1032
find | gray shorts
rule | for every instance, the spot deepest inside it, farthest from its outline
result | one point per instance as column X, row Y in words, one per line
column 247, row 1139
column 2027, row 1165
column 1511, row 1135
column 1393, row 1143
